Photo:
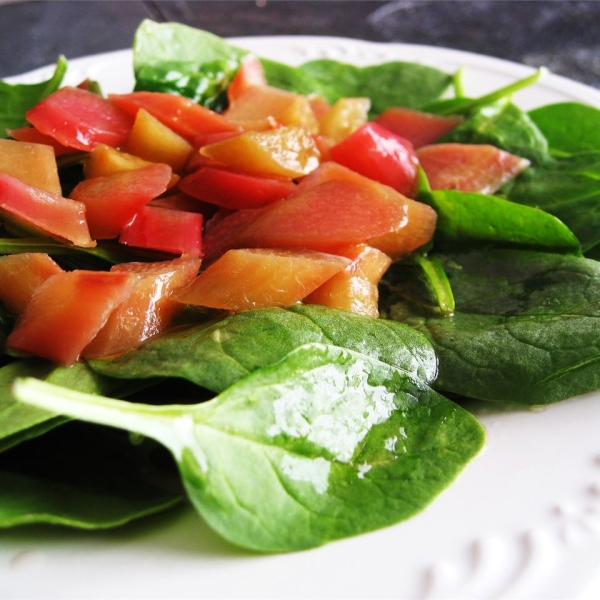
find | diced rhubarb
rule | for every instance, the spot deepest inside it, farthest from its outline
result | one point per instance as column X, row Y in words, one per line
column 224, row 232
column 380, row 155
column 477, row 168
column 180, row 201
column 344, row 118
column 166, row 230
column 20, row 275
column 416, row 230
column 152, row 140
column 66, row 312
column 249, row 74
column 111, row 202
column 31, row 134
column 284, row 152
column 419, row 128
column 355, row 288
column 105, row 160
column 182, row 115
column 235, row 190
column 331, row 214
column 44, row 213
column 80, row 119
column 263, row 107
column 149, row 308
column 256, row 278
column 34, row 164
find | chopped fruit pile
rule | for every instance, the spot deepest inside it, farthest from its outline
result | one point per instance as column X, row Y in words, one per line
column 280, row 199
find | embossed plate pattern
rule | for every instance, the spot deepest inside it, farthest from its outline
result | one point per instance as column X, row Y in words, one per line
column 523, row 520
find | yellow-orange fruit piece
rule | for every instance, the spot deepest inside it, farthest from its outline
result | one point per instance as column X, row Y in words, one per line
column 34, row 164
column 153, row 141
column 284, row 152
column 105, row 160
column 355, row 288
column 247, row 279
column 66, row 312
column 149, row 308
column 21, row 275
column 344, row 117
column 415, row 229
column 260, row 107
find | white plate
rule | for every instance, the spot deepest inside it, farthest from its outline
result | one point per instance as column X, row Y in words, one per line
column 523, row 520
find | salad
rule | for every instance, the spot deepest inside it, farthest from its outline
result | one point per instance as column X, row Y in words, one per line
column 289, row 421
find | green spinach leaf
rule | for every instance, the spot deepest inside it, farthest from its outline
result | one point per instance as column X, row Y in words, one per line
column 389, row 84
column 177, row 58
column 569, row 127
column 503, row 125
column 463, row 105
column 324, row 444
column 567, row 188
column 467, row 219
column 216, row 355
column 525, row 327
column 17, row 98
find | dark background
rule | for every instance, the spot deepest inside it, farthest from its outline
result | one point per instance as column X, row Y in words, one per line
column 562, row 35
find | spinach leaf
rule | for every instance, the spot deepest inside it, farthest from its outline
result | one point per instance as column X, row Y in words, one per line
column 503, row 125
column 462, row 105
column 467, row 219
column 432, row 275
column 389, row 84
column 525, row 327
column 569, row 127
column 567, row 186
column 17, row 98
column 177, row 58
column 85, row 476
column 569, row 189
column 324, row 444
column 294, row 79
column 155, row 44
column 207, row 87
column 103, row 253
column 216, row 355
column 19, row 422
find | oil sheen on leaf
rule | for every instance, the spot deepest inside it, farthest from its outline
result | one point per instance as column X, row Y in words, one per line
column 324, row 444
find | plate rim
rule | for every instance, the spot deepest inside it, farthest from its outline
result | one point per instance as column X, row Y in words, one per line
column 558, row 83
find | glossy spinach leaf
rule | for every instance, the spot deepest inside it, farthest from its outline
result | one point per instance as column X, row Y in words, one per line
column 85, row 476
column 207, row 87
column 17, row 98
column 177, row 58
column 506, row 126
column 466, row 219
column 569, row 127
column 567, row 188
column 524, row 330
column 216, row 355
column 324, row 444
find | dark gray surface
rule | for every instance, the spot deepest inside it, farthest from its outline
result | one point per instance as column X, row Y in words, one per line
column 562, row 35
